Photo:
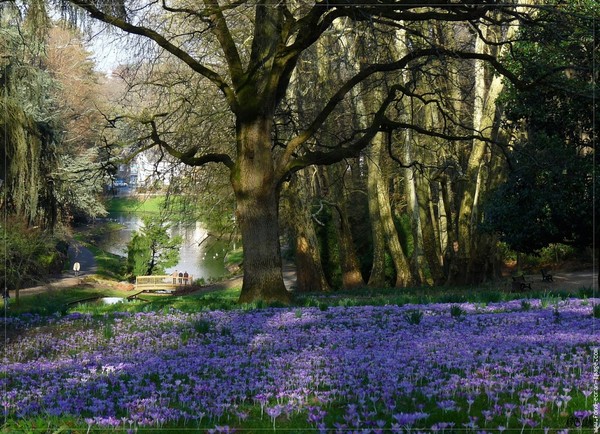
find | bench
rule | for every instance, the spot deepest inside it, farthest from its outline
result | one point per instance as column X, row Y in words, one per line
column 546, row 277
column 520, row 284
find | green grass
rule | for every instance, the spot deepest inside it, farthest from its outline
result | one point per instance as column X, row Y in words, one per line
column 52, row 302
column 152, row 204
column 109, row 265
column 57, row 301
column 427, row 295
column 234, row 257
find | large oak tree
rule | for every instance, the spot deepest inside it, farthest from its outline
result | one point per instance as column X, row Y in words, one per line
column 249, row 52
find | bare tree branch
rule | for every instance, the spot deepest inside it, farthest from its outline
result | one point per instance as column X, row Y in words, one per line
column 188, row 157
column 164, row 43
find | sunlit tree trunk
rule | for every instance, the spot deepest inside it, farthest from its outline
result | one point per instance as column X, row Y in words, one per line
column 476, row 250
column 377, row 275
column 410, row 179
column 257, row 212
column 309, row 269
column 399, row 259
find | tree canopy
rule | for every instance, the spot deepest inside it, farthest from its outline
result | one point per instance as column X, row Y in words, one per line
column 249, row 52
column 268, row 91
column 48, row 98
column 548, row 196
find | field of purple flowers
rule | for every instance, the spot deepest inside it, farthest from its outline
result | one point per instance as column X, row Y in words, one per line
column 505, row 366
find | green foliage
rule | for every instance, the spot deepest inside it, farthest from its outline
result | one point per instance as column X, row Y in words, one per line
column 202, row 326
column 457, row 312
column 413, row 317
column 108, row 331
column 152, row 204
column 596, row 311
column 328, row 246
column 538, row 206
column 47, row 180
column 548, row 195
column 152, row 249
column 138, row 255
column 27, row 256
column 586, row 292
column 79, row 183
column 525, row 305
column 548, row 299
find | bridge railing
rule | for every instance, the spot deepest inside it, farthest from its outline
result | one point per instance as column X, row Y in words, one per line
column 162, row 281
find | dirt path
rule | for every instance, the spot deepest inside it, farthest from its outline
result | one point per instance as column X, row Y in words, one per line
column 76, row 253
column 570, row 280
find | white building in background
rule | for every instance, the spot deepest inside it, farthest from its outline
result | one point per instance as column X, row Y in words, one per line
column 143, row 173
column 150, row 172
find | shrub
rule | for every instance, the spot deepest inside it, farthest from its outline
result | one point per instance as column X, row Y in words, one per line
column 413, row 316
column 456, row 311
column 27, row 255
column 548, row 299
column 202, row 326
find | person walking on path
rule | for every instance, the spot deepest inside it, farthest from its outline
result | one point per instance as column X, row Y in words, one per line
column 81, row 258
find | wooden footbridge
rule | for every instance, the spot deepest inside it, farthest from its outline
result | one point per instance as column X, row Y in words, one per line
column 163, row 284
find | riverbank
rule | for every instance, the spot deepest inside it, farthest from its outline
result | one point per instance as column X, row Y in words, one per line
column 136, row 204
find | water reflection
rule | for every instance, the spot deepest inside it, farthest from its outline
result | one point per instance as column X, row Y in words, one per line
column 201, row 255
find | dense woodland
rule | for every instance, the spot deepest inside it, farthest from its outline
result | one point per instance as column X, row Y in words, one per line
column 386, row 144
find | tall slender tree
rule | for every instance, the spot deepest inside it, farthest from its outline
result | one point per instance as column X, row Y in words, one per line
column 248, row 51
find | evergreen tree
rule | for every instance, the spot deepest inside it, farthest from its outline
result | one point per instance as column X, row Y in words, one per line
column 548, row 194
column 151, row 249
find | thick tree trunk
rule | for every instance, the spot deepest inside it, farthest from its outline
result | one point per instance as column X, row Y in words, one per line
column 349, row 263
column 377, row 276
column 428, row 232
column 401, row 265
column 417, row 260
column 351, row 275
column 257, row 218
column 310, row 275
column 257, row 212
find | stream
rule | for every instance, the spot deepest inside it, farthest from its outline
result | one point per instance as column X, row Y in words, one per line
column 201, row 255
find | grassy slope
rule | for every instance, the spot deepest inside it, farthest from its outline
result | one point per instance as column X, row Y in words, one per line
column 151, row 204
